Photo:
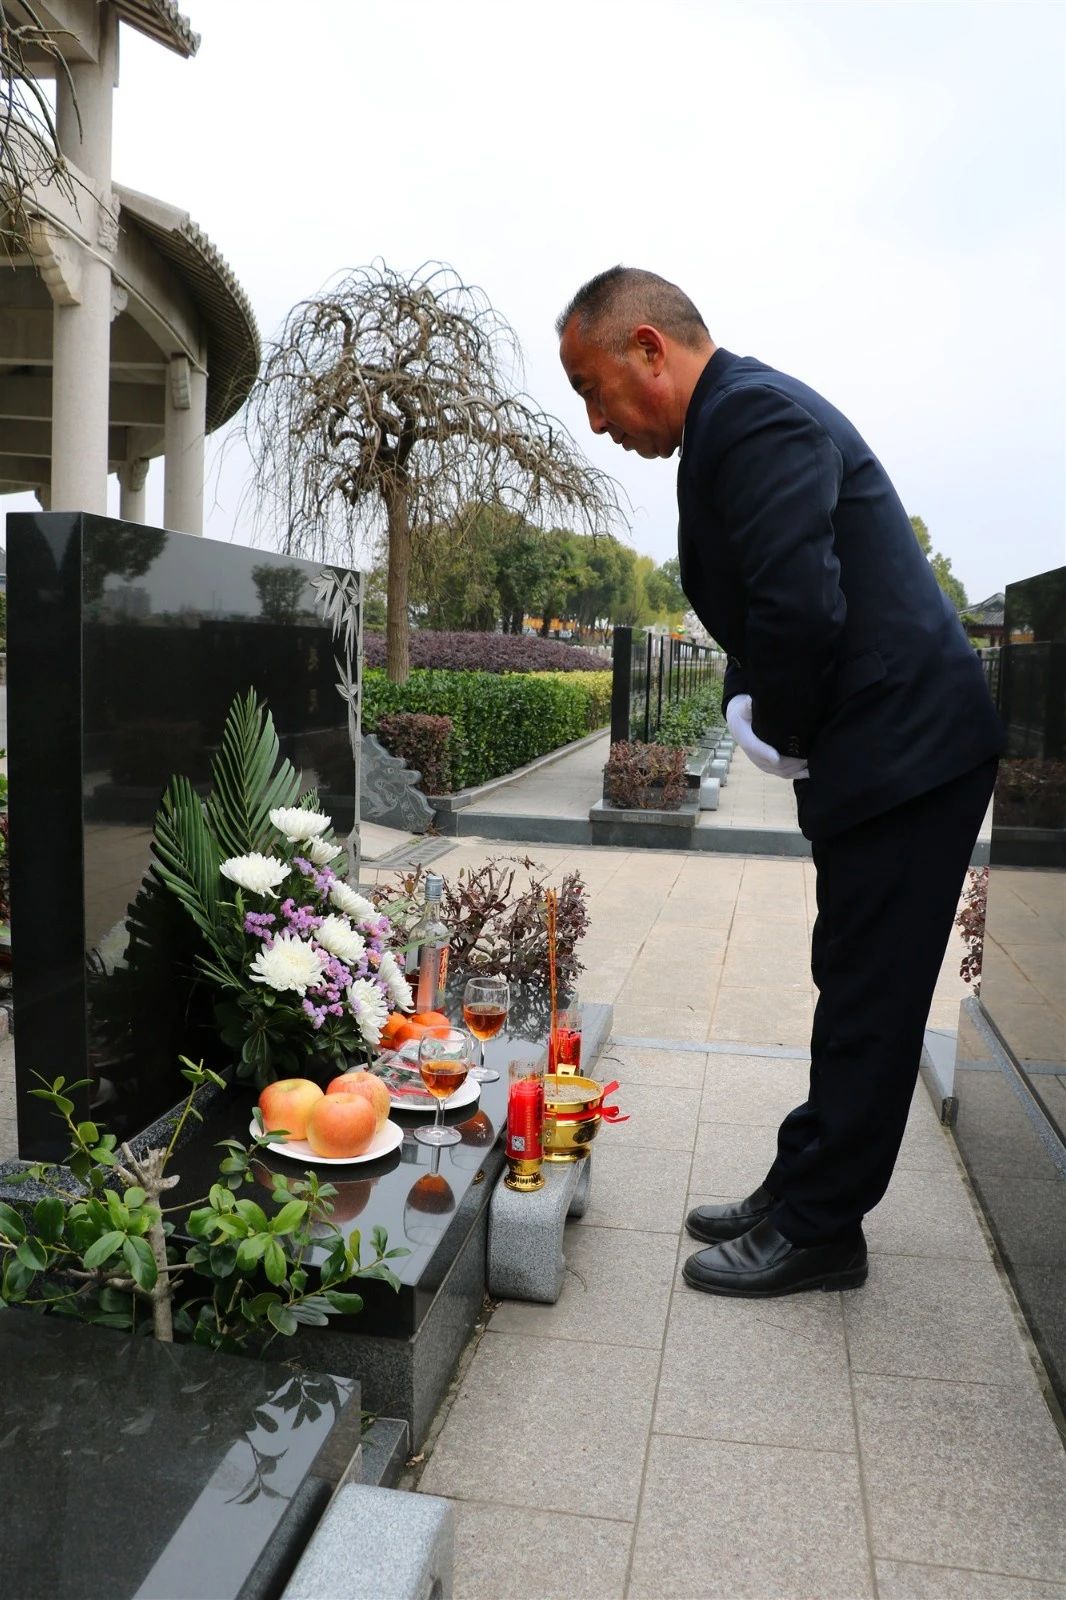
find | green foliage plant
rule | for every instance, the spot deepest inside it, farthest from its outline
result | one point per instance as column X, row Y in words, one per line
column 501, row 720
column 683, row 721
column 100, row 1246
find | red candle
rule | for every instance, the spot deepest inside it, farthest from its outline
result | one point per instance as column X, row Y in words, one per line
column 525, row 1119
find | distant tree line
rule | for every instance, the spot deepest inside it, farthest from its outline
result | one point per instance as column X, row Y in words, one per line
column 500, row 569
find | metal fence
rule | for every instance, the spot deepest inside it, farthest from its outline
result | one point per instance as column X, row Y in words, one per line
column 989, row 660
column 652, row 672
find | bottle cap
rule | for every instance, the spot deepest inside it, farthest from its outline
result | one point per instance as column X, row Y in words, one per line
column 434, row 886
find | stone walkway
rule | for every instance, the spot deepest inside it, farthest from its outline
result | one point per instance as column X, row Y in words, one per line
column 640, row 1439
column 568, row 787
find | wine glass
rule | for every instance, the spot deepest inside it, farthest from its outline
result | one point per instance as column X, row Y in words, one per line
column 485, row 1005
column 443, row 1060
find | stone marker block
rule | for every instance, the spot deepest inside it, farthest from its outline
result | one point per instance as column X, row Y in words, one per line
column 388, row 794
column 710, row 791
column 381, row 1543
column 525, row 1245
column 719, row 768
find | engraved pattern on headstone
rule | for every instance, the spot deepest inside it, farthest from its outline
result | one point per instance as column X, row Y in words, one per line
column 388, row 794
column 340, row 595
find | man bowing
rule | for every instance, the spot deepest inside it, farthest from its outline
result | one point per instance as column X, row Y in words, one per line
column 848, row 673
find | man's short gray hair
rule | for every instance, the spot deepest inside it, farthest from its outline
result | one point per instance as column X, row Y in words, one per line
column 609, row 306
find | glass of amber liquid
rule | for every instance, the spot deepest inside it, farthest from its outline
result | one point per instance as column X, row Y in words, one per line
column 444, row 1061
column 485, row 1005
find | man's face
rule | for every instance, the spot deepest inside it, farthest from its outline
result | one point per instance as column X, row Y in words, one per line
column 625, row 396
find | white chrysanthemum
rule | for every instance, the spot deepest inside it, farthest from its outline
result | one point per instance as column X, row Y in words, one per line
column 261, row 874
column 290, row 963
column 112, row 947
column 337, row 935
column 397, row 985
column 320, row 851
column 369, row 1007
column 297, row 824
column 356, row 906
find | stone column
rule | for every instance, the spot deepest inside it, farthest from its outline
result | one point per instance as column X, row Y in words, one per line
column 81, row 350
column 184, row 419
column 132, row 497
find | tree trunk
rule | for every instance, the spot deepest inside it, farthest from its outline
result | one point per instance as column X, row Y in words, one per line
column 397, row 627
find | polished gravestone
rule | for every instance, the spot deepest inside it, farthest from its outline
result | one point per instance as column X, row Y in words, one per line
column 143, row 1471
column 127, row 646
column 1010, row 1065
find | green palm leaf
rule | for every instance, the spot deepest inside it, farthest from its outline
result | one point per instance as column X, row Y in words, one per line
column 187, row 857
column 246, row 787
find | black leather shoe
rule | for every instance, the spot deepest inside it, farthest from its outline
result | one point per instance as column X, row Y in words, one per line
column 714, row 1223
column 763, row 1262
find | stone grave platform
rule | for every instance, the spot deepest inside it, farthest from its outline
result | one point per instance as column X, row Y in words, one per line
column 403, row 1347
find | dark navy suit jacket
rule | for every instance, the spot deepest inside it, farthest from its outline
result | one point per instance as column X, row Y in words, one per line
column 799, row 559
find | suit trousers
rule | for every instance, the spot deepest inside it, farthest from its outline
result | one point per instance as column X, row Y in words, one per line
column 887, row 895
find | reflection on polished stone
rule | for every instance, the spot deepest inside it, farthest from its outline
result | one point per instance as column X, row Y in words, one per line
column 135, row 1469
column 1010, row 1068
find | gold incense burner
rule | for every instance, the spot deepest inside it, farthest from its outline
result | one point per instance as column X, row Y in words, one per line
column 572, row 1115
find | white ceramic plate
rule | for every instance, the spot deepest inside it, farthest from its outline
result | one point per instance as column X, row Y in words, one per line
column 465, row 1095
column 387, row 1139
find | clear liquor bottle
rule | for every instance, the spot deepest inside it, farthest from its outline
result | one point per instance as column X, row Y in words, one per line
column 427, row 961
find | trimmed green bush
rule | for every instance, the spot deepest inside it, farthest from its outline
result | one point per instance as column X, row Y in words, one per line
column 683, row 721
column 502, row 720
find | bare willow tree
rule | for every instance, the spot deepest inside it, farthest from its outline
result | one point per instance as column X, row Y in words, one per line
column 386, row 411
column 30, row 157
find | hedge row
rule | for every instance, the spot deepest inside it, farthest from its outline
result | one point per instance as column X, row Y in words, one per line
column 501, row 721
column 486, row 652
column 684, row 720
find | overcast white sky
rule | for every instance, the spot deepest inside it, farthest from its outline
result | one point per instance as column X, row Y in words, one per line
column 869, row 195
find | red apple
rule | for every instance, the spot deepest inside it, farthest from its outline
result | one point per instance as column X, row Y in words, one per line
column 287, row 1104
column 341, row 1125
column 366, row 1084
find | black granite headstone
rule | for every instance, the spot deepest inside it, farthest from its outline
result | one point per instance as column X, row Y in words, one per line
column 127, row 646
column 143, row 1471
column 1010, row 1068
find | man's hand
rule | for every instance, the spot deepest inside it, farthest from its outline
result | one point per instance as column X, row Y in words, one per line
column 765, row 757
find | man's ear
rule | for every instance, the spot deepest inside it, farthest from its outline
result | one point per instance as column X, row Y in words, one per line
column 652, row 347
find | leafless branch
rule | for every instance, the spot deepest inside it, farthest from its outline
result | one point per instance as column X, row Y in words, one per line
column 387, row 409
column 30, row 157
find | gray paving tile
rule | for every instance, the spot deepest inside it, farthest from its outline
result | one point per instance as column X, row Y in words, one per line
column 643, row 1189
column 659, row 1022
column 761, row 1372
column 617, row 1287
column 725, row 1521
column 926, row 1214
column 963, row 1475
column 759, row 1090
column 506, row 1552
column 928, row 1318
column 663, row 1069
column 899, row 1580
column 657, row 1120
column 731, row 1159
column 927, row 1145
column 559, row 1443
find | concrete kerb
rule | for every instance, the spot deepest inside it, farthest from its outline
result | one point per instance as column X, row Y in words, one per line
column 446, row 805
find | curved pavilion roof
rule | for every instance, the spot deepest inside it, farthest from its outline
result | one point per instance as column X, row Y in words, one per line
column 229, row 322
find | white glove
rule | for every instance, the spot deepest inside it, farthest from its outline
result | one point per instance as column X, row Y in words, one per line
column 765, row 757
